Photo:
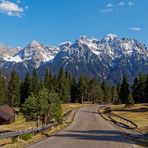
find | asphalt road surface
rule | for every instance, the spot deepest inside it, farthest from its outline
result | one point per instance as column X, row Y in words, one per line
column 88, row 130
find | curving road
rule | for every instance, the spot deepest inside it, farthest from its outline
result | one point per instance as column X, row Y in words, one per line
column 88, row 130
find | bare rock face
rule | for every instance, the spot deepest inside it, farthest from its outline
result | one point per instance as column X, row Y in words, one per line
column 7, row 51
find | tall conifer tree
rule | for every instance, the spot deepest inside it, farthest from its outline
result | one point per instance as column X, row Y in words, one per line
column 26, row 88
column 14, row 90
column 48, row 81
column 2, row 90
column 35, row 82
column 124, row 91
column 64, row 87
column 95, row 91
column 106, row 91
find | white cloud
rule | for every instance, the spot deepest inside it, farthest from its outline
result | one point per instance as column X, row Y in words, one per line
column 121, row 3
column 110, row 5
column 131, row 3
column 135, row 28
column 106, row 10
column 10, row 8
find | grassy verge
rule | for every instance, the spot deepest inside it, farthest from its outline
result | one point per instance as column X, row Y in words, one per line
column 68, row 107
column 22, row 124
column 7, row 142
column 137, row 114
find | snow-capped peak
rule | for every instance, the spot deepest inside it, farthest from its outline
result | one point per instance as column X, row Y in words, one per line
column 19, row 48
column 89, row 41
column 110, row 37
column 108, row 49
column 7, row 51
column 86, row 39
column 64, row 46
column 35, row 44
column 34, row 54
column 37, row 53
column 65, row 43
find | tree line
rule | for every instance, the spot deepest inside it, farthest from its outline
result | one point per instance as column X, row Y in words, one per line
column 42, row 98
column 69, row 89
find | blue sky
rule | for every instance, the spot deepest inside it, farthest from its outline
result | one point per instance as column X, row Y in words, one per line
column 56, row 21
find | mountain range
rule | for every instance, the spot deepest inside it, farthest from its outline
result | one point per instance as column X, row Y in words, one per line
column 110, row 58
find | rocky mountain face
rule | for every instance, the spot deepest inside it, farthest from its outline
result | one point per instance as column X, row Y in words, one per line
column 109, row 58
column 7, row 51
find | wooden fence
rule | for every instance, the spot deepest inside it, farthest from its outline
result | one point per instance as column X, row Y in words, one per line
column 124, row 119
column 21, row 132
column 110, row 114
column 34, row 130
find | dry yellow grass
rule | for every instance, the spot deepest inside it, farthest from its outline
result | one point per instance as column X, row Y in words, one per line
column 22, row 124
column 138, row 114
column 21, row 143
column 7, row 142
column 19, row 124
column 68, row 107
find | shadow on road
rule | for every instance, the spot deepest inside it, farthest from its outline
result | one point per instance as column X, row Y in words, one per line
column 97, row 135
column 89, row 112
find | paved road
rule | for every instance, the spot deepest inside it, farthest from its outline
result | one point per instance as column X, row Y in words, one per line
column 88, row 130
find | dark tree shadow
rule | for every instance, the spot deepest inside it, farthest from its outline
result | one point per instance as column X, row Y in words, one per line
column 96, row 135
column 89, row 112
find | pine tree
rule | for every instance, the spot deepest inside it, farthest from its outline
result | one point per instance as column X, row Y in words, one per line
column 95, row 91
column 55, row 83
column 36, row 87
column 146, row 89
column 142, row 80
column 124, row 91
column 26, row 88
column 130, row 101
column 2, row 90
column 48, row 80
column 135, row 90
column 118, row 92
column 106, row 92
column 14, row 90
column 37, row 107
column 138, row 89
column 30, row 108
column 55, row 106
column 74, row 91
column 44, row 106
column 114, row 95
column 63, row 87
column 83, row 89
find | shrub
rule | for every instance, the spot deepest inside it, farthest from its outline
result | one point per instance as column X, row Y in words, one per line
column 26, row 136
column 130, row 101
column 14, row 139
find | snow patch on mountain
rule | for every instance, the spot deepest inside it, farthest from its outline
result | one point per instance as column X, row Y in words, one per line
column 35, row 53
column 16, row 59
column 110, row 37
